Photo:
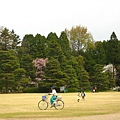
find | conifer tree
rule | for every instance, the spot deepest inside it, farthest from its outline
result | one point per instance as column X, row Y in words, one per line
column 8, row 39
column 8, row 63
column 99, row 56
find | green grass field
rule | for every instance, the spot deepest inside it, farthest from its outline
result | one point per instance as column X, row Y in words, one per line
column 25, row 105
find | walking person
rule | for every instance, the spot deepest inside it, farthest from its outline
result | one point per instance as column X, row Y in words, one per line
column 83, row 95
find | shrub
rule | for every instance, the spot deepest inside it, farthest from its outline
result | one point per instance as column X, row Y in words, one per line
column 119, row 89
column 43, row 89
column 72, row 90
column 31, row 90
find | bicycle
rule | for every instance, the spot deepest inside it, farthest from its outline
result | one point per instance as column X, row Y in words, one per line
column 44, row 103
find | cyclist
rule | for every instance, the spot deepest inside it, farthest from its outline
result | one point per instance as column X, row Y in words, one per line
column 54, row 96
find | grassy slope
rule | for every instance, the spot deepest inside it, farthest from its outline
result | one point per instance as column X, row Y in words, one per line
column 25, row 105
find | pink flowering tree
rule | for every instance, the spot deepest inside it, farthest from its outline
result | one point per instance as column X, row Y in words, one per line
column 40, row 64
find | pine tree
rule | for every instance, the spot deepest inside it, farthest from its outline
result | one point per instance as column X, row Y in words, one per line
column 8, row 63
column 113, row 52
column 100, row 56
column 8, row 39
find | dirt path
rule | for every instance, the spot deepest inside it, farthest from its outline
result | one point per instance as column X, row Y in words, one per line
column 95, row 117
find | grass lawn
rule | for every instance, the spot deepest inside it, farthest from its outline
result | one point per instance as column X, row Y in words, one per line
column 25, row 105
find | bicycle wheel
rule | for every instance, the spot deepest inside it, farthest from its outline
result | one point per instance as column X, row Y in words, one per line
column 59, row 105
column 43, row 105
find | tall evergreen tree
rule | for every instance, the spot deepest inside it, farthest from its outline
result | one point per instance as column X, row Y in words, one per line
column 100, row 79
column 8, row 63
column 53, row 47
column 65, row 45
column 26, row 63
column 26, row 57
column 38, row 48
column 52, row 69
column 113, row 52
column 8, row 39
column 82, row 74
column 84, row 79
column 100, row 56
column 27, row 43
column 72, row 77
column 89, row 57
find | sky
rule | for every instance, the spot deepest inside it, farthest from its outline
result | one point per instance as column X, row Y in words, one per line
column 100, row 17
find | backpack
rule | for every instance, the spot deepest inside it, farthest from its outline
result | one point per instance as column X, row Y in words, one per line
column 82, row 94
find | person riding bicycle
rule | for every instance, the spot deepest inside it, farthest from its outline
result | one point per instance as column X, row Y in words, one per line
column 54, row 96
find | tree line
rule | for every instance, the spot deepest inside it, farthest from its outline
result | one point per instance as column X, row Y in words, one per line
column 73, row 60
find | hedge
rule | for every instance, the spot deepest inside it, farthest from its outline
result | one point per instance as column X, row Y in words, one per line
column 72, row 90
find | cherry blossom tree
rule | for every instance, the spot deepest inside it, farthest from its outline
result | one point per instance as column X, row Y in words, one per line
column 40, row 64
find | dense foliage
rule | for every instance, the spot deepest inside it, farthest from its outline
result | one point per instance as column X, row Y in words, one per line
column 73, row 60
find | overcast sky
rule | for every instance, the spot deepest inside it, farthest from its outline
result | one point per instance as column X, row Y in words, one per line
column 101, row 17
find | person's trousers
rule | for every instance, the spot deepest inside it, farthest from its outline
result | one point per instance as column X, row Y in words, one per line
column 52, row 99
